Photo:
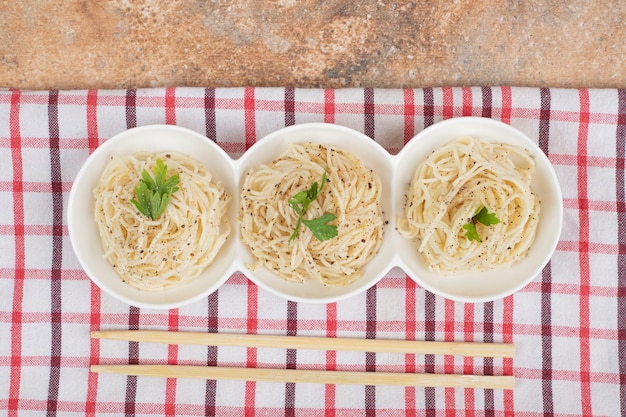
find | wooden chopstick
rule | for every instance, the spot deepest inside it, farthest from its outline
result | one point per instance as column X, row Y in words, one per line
column 501, row 350
column 311, row 376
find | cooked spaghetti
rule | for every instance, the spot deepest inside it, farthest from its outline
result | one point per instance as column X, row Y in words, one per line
column 456, row 181
column 177, row 246
column 352, row 193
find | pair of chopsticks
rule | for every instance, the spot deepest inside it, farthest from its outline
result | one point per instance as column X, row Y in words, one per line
column 501, row 350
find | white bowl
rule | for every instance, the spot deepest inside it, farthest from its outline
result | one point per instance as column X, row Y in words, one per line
column 395, row 172
column 497, row 283
column 374, row 157
column 83, row 231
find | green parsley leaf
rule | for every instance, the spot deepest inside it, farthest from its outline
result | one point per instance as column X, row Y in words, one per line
column 486, row 218
column 470, row 232
column 153, row 195
column 319, row 226
column 482, row 216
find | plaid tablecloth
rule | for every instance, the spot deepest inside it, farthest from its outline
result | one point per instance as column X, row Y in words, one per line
column 568, row 325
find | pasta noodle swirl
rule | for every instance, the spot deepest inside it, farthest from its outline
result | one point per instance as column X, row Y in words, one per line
column 352, row 193
column 181, row 243
column 450, row 186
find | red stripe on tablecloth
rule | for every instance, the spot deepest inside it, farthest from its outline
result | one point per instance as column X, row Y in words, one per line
column 249, row 116
column 37, row 142
column 620, row 194
column 331, row 326
column 601, row 248
column 331, row 359
column 95, row 304
column 468, row 362
column 466, row 103
column 448, row 102
column 18, row 285
column 557, row 115
column 507, row 363
column 448, row 360
column 507, row 101
column 348, row 326
column 410, row 326
column 568, row 376
column 329, row 106
column 546, row 277
column 509, row 304
column 172, row 359
column 34, row 187
column 251, row 353
column 92, row 120
column 170, row 106
column 57, row 253
column 409, row 114
column 592, row 161
column 210, row 120
column 583, row 218
column 488, row 367
column 94, row 351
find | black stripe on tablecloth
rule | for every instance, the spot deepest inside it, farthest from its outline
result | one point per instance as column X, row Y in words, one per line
column 131, row 108
column 430, row 394
column 488, row 362
column 429, row 298
column 487, row 110
column 620, row 158
column 212, row 327
column 368, row 113
column 133, row 313
column 210, row 120
column 290, row 106
column 291, row 357
column 370, row 308
column 429, row 107
column 370, row 357
column 546, row 274
column 57, row 253
column 487, row 104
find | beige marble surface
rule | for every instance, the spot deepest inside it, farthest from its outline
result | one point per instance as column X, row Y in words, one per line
column 311, row 43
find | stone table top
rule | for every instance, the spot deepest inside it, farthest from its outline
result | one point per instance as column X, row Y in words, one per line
column 78, row 44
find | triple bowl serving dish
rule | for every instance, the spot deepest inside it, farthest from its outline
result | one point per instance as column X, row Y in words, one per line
column 395, row 172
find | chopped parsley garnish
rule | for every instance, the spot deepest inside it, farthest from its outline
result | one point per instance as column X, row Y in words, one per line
column 482, row 216
column 318, row 226
column 153, row 195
